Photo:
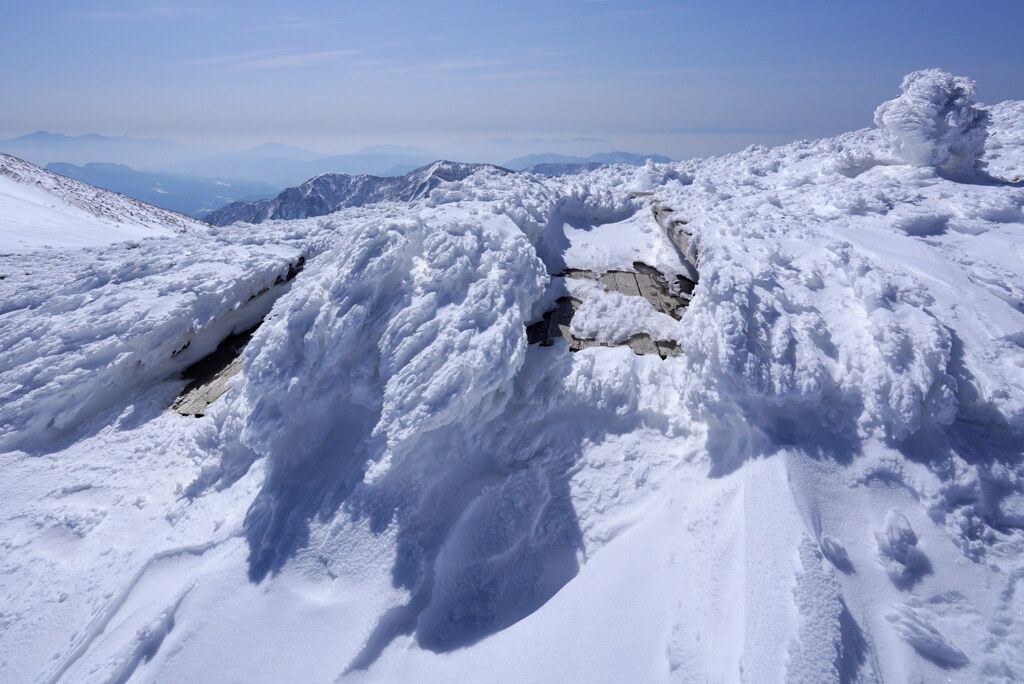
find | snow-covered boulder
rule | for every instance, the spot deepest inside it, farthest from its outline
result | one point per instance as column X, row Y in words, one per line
column 934, row 122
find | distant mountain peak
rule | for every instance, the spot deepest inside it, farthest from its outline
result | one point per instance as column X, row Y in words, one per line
column 548, row 158
column 329, row 192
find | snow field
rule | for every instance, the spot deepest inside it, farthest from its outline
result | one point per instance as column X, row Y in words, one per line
column 826, row 485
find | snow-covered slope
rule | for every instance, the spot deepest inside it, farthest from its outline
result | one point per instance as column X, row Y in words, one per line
column 42, row 209
column 826, row 485
column 330, row 192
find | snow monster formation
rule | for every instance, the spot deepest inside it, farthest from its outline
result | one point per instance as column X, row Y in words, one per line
column 935, row 122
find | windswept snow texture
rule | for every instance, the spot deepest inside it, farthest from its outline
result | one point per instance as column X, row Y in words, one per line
column 934, row 123
column 42, row 209
column 330, row 192
column 826, row 485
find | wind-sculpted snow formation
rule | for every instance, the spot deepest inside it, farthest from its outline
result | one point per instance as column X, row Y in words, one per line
column 934, row 122
column 825, row 485
column 114, row 321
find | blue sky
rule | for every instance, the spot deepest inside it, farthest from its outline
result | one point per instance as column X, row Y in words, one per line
column 681, row 78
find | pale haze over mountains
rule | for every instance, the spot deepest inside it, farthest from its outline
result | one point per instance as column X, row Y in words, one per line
column 196, row 181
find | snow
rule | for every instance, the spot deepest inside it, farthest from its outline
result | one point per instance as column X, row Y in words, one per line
column 934, row 122
column 826, row 485
column 42, row 209
column 613, row 317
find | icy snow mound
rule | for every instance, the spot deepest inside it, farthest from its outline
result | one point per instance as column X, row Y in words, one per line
column 42, row 209
column 793, row 312
column 394, row 383
column 800, row 333
column 934, row 122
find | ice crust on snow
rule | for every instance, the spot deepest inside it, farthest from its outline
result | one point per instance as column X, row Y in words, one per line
column 398, row 487
column 112, row 321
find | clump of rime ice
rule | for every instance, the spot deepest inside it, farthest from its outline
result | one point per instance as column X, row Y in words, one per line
column 897, row 549
column 934, row 122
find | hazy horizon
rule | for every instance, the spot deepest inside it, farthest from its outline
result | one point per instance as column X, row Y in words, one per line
column 581, row 146
column 679, row 79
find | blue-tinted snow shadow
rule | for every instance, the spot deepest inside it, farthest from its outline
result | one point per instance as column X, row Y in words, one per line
column 132, row 409
column 487, row 543
column 981, row 177
column 758, row 431
column 981, row 435
column 293, row 495
column 483, row 549
column 486, row 526
column 852, row 648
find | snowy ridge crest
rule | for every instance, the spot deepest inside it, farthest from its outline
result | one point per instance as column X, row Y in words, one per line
column 106, row 211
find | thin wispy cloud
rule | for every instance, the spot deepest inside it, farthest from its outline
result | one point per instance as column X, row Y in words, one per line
column 272, row 60
column 295, row 60
column 229, row 59
column 463, row 64
column 465, row 68
column 144, row 11
column 354, row 61
column 514, row 75
column 667, row 72
column 716, row 131
column 659, row 10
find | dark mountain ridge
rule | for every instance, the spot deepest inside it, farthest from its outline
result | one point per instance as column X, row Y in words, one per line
column 330, row 192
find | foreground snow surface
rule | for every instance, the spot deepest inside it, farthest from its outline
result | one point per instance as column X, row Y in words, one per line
column 827, row 485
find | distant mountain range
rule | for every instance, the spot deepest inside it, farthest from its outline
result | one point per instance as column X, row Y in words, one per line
column 186, row 194
column 547, row 159
column 284, row 171
column 271, row 164
column 563, row 169
column 196, row 180
column 330, row 192
column 140, row 153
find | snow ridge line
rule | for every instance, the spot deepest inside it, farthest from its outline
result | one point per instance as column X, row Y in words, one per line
column 103, row 618
column 114, row 331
